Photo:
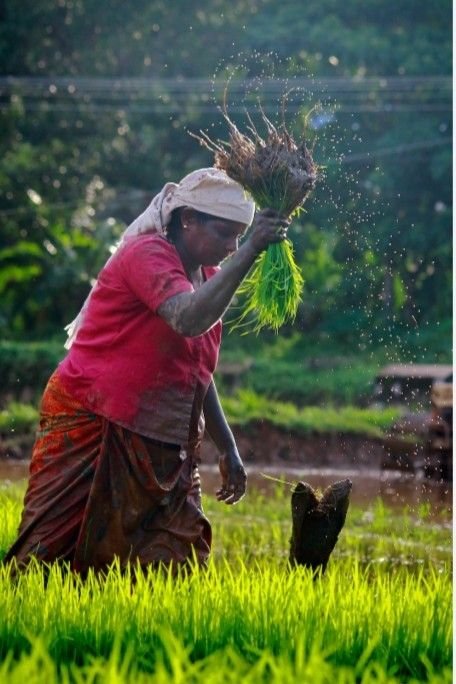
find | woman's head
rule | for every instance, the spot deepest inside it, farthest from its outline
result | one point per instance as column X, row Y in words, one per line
column 174, row 226
column 206, row 238
column 205, row 215
column 207, row 191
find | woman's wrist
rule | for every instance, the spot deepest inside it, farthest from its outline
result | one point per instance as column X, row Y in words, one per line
column 250, row 250
column 232, row 453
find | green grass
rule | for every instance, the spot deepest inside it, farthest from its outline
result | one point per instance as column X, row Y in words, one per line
column 382, row 613
column 291, row 369
column 314, row 381
column 248, row 407
column 18, row 417
column 311, row 368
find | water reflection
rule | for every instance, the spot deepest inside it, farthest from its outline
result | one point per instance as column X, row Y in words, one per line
column 13, row 471
column 394, row 488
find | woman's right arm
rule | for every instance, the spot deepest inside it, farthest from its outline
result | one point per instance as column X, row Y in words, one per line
column 194, row 313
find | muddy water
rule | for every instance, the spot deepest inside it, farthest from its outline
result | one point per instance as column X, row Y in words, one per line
column 394, row 488
column 13, row 471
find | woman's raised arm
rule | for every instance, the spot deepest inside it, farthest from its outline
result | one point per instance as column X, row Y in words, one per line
column 194, row 313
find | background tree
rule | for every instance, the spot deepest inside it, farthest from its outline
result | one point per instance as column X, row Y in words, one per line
column 96, row 100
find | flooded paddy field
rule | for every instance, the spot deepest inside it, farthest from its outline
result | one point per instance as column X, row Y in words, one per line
column 381, row 613
column 393, row 519
column 394, row 488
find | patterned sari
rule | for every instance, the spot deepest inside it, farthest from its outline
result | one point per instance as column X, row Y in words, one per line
column 98, row 491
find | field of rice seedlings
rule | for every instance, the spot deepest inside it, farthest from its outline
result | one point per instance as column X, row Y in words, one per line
column 382, row 612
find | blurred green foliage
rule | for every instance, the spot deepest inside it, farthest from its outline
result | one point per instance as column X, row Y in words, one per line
column 20, row 418
column 26, row 366
column 247, row 407
column 81, row 156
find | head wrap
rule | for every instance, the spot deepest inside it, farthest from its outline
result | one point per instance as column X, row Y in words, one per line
column 209, row 190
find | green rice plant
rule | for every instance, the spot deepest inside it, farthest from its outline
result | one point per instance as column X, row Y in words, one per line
column 247, row 617
column 11, row 501
column 273, row 289
column 226, row 667
column 402, row 618
column 279, row 174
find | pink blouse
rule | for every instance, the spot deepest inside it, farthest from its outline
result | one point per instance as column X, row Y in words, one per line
column 127, row 363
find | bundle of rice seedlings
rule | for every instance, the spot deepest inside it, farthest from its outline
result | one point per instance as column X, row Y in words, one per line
column 279, row 173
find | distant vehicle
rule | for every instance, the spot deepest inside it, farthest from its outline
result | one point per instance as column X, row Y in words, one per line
column 409, row 384
column 421, row 440
column 439, row 446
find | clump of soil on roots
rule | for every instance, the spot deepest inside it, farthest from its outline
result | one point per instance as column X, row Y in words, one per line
column 279, row 173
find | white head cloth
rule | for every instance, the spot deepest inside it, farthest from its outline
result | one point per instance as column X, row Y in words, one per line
column 208, row 190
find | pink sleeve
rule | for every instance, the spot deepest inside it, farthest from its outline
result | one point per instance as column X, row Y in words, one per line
column 153, row 271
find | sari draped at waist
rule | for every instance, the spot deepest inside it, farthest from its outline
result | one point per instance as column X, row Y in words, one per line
column 98, row 491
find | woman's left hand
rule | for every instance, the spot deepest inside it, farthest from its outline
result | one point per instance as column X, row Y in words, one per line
column 234, row 478
column 268, row 226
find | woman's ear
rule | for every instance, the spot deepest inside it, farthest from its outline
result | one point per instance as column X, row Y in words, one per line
column 188, row 218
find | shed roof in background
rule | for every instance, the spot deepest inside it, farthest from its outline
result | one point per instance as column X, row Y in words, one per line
column 416, row 370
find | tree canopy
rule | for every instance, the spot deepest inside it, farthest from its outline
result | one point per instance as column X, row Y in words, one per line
column 97, row 98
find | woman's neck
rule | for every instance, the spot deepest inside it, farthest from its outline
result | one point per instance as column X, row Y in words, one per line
column 191, row 267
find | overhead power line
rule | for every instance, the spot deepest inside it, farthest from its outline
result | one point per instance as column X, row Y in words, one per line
column 95, row 108
column 142, row 95
column 398, row 149
column 246, row 84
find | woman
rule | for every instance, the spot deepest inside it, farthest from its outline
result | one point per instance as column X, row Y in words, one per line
column 114, row 467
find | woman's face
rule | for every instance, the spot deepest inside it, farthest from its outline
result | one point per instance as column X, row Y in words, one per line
column 210, row 242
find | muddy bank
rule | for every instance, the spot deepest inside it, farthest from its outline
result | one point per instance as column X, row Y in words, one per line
column 264, row 443
column 318, row 459
column 261, row 442
column 17, row 448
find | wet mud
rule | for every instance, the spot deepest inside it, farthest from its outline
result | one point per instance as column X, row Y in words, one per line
column 270, row 454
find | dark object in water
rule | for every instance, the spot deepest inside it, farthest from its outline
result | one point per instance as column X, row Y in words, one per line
column 317, row 522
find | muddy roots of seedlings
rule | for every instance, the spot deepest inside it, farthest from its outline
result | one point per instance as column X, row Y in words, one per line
column 280, row 174
column 275, row 170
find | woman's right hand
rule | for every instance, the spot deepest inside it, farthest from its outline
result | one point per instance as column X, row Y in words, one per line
column 194, row 313
column 268, row 226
